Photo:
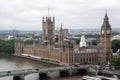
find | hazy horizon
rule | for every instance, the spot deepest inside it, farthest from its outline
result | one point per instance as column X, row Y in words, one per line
column 117, row 28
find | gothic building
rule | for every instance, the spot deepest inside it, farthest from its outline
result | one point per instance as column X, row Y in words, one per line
column 105, row 41
column 67, row 52
column 61, row 36
column 48, row 26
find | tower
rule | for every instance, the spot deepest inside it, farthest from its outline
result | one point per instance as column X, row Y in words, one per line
column 48, row 26
column 19, row 47
column 82, row 42
column 105, row 41
column 61, row 36
column 66, row 53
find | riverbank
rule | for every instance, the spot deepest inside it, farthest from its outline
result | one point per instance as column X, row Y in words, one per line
column 40, row 60
column 6, row 54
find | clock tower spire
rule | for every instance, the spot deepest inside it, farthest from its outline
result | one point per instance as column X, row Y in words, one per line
column 105, row 41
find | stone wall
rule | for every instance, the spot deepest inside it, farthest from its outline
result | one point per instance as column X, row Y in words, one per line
column 90, row 58
column 52, row 55
column 28, row 50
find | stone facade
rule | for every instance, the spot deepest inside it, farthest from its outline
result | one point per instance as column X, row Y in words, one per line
column 105, row 41
column 48, row 26
column 67, row 53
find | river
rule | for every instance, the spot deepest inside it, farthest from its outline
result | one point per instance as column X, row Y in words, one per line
column 8, row 63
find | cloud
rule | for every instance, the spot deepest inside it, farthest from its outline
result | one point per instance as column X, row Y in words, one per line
column 27, row 14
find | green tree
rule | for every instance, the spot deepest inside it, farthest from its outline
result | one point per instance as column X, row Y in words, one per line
column 77, row 41
column 115, row 62
column 7, row 46
column 115, row 45
column 94, row 42
column 30, row 42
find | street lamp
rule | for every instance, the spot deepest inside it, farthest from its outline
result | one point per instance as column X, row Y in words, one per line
column 97, row 69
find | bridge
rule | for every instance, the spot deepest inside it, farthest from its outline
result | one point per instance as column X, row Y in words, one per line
column 46, row 72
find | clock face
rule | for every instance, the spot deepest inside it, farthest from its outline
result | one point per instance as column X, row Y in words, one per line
column 108, row 31
column 102, row 31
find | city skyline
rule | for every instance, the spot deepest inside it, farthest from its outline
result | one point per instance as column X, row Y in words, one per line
column 78, row 14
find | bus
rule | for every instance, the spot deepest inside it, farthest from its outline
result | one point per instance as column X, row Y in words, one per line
column 106, row 78
column 90, row 78
column 98, row 78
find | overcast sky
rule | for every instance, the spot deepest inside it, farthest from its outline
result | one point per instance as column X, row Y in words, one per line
column 27, row 14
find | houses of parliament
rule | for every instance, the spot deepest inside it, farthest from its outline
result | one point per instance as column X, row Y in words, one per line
column 66, row 52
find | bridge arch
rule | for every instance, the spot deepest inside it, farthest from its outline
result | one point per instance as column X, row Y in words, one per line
column 64, row 73
column 43, row 76
column 18, row 77
column 81, row 71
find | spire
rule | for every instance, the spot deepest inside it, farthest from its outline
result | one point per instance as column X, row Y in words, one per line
column 53, row 18
column 61, row 36
column 106, row 17
column 43, row 19
column 106, row 21
column 61, row 27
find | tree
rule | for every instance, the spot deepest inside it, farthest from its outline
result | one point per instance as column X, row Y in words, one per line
column 30, row 42
column 94, row 42
column 115, row 45
column 115, row 62
column 77, row 41
column 7, row 46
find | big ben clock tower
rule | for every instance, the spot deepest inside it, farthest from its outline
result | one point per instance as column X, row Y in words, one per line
column 105, row 41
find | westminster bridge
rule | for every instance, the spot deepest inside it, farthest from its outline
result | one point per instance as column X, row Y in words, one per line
column 46, row 73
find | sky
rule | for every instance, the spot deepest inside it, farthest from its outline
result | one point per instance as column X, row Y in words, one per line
column 73, row 14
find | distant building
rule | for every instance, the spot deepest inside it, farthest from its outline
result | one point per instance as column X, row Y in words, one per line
column 10, row 37
column 116, row 37
column 66, row 32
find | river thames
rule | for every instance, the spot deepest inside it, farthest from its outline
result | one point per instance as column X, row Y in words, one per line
column 8, row 63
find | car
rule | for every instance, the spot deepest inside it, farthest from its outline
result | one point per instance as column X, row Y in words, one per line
column 37, row 69
column 90, row 78
column 76, row 65
column 8, row 71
